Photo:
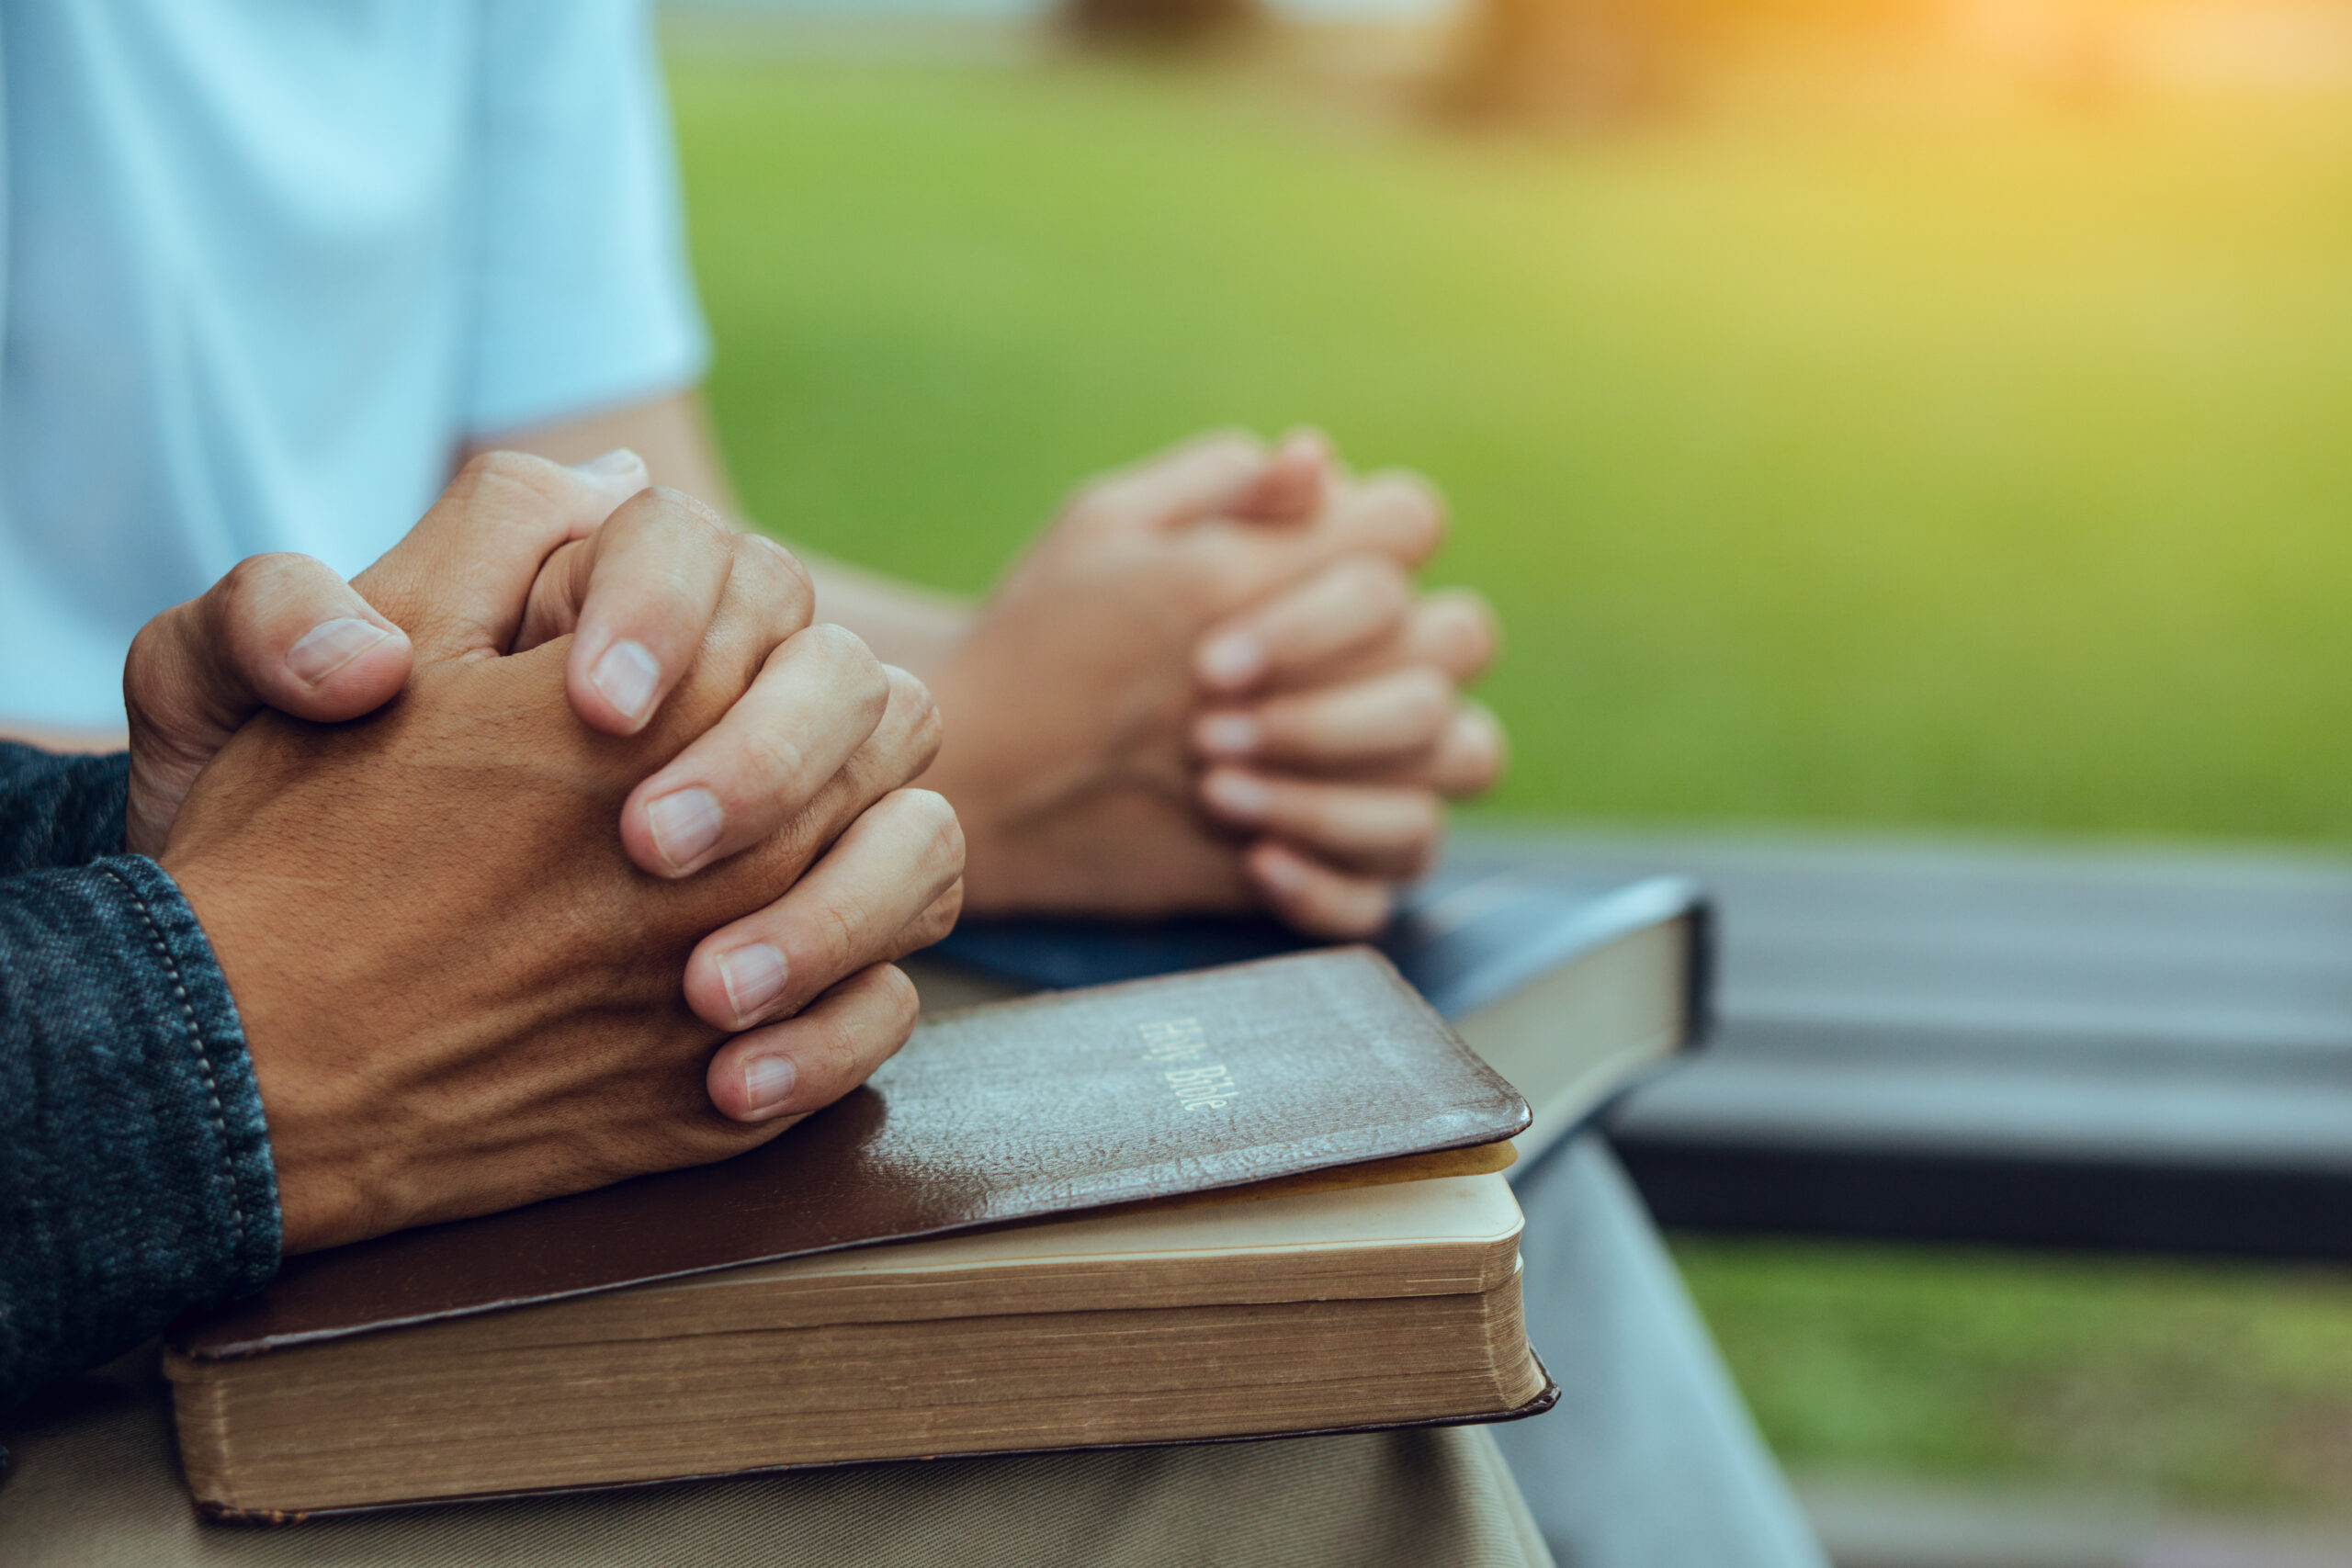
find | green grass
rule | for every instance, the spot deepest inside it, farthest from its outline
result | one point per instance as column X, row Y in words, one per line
column 1987, row 469
column 2206, row 1385
column 1974, row 464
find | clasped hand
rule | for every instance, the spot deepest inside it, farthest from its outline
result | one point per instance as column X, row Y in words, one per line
column 1210, row 686
column 459, row 985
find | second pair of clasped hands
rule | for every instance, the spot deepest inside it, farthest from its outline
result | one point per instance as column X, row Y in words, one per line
column 460, row 987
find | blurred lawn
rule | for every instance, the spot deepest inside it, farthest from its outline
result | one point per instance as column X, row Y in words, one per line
column 2204, row 1385
column 1984, row 469
column 1982, row 466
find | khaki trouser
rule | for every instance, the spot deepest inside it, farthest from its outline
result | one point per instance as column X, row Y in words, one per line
column 96, row 1481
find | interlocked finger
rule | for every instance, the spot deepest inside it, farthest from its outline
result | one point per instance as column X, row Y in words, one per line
column 1202, row 477
column 1466, row 760
column 900, row 747
column 1392, row 717
column 817, row 701
column 871, row 899
column 1383, row 831
column 1349, row 606
column 639, row 595
column 782, row 1072
column 1449, row 629
column 1396, row 515
column 1314, row 897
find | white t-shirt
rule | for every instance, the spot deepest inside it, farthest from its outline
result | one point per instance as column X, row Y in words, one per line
column 268, row 262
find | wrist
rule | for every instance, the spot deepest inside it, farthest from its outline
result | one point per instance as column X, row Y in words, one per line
column 311, row 1109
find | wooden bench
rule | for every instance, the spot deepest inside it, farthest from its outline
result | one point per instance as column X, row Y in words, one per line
column 2147, row 1050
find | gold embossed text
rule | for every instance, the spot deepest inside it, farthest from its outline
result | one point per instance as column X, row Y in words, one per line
column 1178, row 1048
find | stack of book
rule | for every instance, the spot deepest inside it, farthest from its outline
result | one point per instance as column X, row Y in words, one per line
column 1259, row 1200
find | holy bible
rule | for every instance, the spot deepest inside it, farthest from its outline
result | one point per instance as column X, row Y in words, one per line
column 1250, row 1201
column 1576, row 987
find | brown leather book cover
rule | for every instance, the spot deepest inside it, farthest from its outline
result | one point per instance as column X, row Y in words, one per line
column 1046, row 1105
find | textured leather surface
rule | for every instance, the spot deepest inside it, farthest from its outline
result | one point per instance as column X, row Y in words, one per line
column 1045, row 1105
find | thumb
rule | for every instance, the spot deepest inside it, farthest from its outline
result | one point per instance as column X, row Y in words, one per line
column 459, row 582
column 279, row 631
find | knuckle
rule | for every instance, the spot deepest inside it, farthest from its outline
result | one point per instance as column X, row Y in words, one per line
column 1218, row 580
column 940, row 843
column 851, row 1041
column 236, row 609
column 672, row 598
column 902, row 1005
column 1413, row 507
column 144, row 643
column 1466, row 772
column 145, row 668
column 1095, row 505
column 1488, row 756
column 1473, row 607
column 1484, row 636
column 502, row 463
column 501, row 469
column 499, row 479
column 1413, row 492
column 766, row 561
column 1230, row 446
column 838, row 931
column 771, row 755
column 1380, row 578
column 676, row 505
column 831, row 1049
column 913, row 714
column 230, row 596
column 1426, row 697
column 1421, row 820
column 1463, row 626
column 854, row 665
column 835, row 662
column 940, row 918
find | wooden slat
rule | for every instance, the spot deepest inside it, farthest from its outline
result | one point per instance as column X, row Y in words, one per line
column 1927, row 1025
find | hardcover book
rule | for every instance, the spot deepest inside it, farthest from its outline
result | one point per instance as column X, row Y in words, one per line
column 1574, row 987
column 1256, row 1200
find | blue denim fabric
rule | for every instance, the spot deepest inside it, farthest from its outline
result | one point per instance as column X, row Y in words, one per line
column 135, row 1174
column 58, row 811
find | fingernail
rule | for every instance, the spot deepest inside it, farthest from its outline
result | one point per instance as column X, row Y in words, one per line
column 626, row 673
column 686, row 822
column 329, row 646
column 753, row 977
column 1228, row 734
column 1238, row 796
column 768, row 1081
column 1234, row 659
column 620, row 460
